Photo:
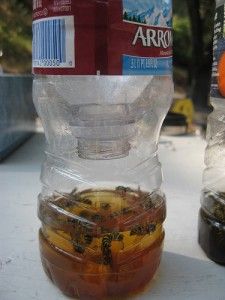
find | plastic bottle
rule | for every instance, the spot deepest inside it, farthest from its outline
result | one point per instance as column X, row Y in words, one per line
column 101, row 207
column 212, row 212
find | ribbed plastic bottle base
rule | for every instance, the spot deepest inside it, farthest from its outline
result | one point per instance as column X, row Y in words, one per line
column 212, row 237
column 96, row 282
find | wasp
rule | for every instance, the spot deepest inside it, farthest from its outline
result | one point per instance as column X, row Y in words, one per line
column 151, row 228
column 86, row 201
column 81, row 236
column 143, row 229
column 78, row 248
column 114, row 215
column 84, row 214
column 72, row 195
column 138, row 230
column 88, row 239
column 106, row 246
column 123, row 189
column 63, row 202
column 105, row 206
column 74, row 192
column 76, row 223
column 81, row 242
column 96, row 218
column 147, row 202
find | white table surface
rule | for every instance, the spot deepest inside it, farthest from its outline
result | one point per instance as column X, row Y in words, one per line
column 185, row 272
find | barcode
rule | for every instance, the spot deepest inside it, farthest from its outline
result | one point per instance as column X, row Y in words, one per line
column 53, row 43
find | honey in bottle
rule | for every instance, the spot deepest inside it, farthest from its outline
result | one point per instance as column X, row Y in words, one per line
column 105, row 243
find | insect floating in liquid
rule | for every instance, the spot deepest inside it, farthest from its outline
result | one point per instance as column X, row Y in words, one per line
column 123, row 189
column 105, row 205
column 147, row 202
column 97, row 218
column 106, row 245
column 81, row 235
column 143, row 229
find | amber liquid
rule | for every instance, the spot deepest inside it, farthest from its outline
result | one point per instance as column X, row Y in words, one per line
column 100, row 244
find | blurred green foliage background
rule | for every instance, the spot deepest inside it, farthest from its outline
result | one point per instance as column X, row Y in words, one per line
column 15, row 35
column 193, row 38
column 193, row 31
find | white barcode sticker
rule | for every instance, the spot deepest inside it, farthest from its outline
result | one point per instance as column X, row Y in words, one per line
column 54, row 42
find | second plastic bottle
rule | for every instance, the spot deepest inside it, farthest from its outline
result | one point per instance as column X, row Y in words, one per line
column 212, row 212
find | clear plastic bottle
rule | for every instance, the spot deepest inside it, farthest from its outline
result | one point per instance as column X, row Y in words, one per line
column 212, row 212
column 101, row 207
